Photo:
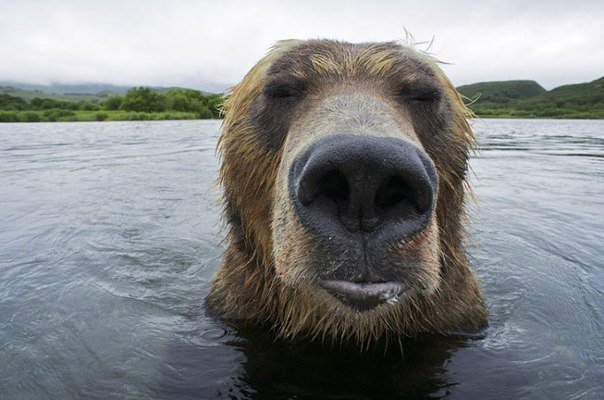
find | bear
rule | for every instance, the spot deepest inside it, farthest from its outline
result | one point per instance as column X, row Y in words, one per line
column 344, row 177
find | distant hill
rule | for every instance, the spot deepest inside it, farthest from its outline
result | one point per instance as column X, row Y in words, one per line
column 501, row 92
column 580, row 93
column 529, row 99
column 28, row 94
column 59, row 88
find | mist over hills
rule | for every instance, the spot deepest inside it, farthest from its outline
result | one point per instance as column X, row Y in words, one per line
column 71, row 92
column 59, row 88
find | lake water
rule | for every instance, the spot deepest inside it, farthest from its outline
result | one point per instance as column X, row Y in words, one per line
column 110, row 234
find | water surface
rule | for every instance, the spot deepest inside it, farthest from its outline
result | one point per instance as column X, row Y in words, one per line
column 110, row 233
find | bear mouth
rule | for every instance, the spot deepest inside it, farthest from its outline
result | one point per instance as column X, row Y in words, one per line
column 364, row 296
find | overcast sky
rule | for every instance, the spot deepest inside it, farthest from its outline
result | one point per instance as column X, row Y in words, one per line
column 211, row 44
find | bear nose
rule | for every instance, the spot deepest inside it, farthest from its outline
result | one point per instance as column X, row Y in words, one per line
column 363, row 184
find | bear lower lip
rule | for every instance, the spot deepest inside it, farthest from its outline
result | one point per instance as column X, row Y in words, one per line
column 363, row 296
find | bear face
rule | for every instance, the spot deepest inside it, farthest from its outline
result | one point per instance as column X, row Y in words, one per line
column 344, row 181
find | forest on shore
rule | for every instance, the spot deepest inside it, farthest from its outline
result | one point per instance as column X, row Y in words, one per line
column 528, row 99
column 139, row 103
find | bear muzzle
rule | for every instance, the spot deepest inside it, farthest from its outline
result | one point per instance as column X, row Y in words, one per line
column 360, row 194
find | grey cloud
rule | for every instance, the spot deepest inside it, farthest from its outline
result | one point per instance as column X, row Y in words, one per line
column 211, row 45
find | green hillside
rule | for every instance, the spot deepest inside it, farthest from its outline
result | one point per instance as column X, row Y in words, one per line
column 501, row 92
column 527, row 99
column 578, row 94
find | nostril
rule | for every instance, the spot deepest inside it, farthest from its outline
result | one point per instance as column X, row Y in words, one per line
column 393, row 191
column 332, row 185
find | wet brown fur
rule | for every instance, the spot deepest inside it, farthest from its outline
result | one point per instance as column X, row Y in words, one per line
column 248, row 288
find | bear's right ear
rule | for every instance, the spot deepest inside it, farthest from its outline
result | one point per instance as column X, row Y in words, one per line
column 285, row 44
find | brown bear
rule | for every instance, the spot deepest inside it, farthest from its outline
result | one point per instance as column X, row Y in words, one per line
column 344, row 175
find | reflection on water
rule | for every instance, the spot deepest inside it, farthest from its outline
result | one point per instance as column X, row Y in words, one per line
column 110, row 234
column 270, row 369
